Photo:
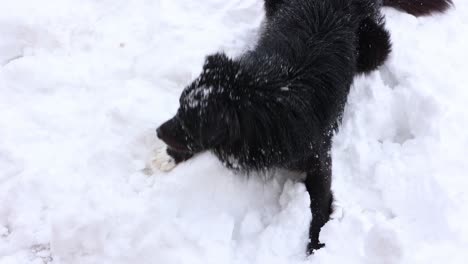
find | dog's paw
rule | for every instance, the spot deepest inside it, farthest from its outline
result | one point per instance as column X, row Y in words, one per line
column 314, row 246
column 163, row 161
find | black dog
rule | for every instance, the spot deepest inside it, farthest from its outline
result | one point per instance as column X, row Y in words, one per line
column 278, row 105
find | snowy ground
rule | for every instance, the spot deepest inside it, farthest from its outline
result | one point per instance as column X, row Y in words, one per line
column 84, row 83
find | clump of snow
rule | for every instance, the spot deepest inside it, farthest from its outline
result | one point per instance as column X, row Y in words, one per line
column 198, row 96
column 84, row 84
column 162, row 161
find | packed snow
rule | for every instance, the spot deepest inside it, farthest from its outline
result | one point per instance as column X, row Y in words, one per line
column 84, row 84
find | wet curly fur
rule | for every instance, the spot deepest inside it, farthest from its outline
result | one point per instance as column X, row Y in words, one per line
column 278, row 105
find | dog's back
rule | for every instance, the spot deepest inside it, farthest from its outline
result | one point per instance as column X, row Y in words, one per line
column 307, row 57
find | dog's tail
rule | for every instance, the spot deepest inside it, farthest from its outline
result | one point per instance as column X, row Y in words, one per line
column 419, row 7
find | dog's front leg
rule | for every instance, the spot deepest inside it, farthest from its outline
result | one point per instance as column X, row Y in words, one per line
column 318, row 184
column 166, row 159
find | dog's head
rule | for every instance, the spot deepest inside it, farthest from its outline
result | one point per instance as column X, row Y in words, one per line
column 207, row 115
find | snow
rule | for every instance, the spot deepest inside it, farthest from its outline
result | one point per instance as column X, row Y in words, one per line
column 162, row 161
column 84, row 84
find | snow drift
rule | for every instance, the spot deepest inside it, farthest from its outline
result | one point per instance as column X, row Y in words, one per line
column 84, row 84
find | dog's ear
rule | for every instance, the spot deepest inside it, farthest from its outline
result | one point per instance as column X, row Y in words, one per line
column 222, row 67
column 217, row 60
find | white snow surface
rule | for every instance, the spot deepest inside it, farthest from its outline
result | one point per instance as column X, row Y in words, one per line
column 84, row 84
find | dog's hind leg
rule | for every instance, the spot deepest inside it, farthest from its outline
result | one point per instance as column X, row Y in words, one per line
column 318, row 184
column 272, row 6
column 374, row 44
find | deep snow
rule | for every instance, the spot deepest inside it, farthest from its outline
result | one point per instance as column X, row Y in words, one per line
column 83, row 85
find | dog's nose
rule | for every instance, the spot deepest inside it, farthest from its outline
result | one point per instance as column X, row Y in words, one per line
column 159, row 132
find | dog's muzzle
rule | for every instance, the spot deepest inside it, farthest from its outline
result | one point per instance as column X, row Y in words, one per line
column 172, row 133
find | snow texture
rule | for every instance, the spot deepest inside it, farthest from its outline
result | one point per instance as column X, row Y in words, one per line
column 84, row 84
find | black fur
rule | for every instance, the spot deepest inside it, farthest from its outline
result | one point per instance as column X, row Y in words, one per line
column 272, row 6
column 374, row 44
column 419, row 7
column 278, row 105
